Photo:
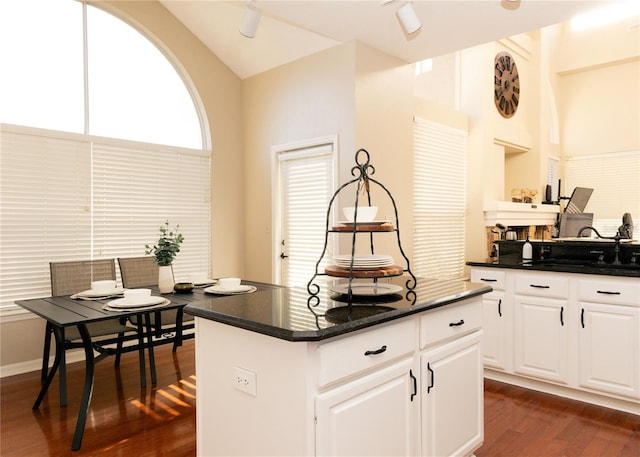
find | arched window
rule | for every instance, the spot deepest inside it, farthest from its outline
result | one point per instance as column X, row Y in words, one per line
column 100, row 144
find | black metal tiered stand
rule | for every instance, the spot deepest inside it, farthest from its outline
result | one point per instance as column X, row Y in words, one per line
column 359, row 306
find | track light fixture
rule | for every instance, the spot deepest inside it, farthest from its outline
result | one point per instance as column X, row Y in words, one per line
column 408, row 18
column 250, row 21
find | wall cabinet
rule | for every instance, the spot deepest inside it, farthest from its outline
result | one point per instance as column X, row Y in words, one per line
column 568, row 331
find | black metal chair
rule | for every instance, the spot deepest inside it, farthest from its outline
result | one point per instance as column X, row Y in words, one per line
column 68, row 278
column 169, row 326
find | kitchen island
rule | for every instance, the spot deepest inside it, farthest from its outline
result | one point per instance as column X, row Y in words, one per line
column 281, row 372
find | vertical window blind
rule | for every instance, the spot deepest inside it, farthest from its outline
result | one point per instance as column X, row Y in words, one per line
column 307, row 187
column 611, row 198
column 439, row 201
column 74, row 197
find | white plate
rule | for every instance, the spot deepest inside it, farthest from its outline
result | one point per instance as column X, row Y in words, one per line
column 364, row 223
column 94, row 294
column 241, row 289
column 122, row 302
column 366, row 289
column 364, row 261
column 364, row 258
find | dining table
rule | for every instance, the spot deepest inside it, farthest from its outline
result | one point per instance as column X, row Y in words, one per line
column 67, row 311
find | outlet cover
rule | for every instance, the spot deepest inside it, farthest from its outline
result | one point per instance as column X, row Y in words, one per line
column 245, row 381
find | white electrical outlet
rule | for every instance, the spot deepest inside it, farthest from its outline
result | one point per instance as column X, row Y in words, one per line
column 244, row 380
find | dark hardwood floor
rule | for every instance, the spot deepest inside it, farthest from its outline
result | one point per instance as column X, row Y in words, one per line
column 125, row 420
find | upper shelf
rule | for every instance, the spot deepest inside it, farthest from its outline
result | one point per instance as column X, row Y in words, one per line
column 364, row 227
column 519, row 214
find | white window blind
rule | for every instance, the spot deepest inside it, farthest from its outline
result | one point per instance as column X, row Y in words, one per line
column 137, row 187
column 45, row 200
column 65, row 197
column 307, row 187
column 615, row 180
column 439, row 200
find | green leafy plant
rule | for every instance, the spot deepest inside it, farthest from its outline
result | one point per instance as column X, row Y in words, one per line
column 168, row 245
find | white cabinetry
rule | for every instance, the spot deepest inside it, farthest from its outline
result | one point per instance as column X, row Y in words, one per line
column 609, row 337
column 452, row 405
column 540, row 346
column 451, row 384
column 373, row 415
column 569, row 334
column 497, row 315
column 409, row 387
column 373, row 412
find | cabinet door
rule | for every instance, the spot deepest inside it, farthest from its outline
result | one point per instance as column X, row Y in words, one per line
column 372, row 415
column 495, row 316
column 452, row 398
column 540, row 346
column 609, row 345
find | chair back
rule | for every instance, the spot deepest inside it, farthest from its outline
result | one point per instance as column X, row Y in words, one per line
column 69, row 278
column 138, row 271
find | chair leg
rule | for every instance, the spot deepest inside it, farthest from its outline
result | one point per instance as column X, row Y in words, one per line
column 46, row 352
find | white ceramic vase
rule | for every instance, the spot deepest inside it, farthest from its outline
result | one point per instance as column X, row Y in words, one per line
column 165, row 279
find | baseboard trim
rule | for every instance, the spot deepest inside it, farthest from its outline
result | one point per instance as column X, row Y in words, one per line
column 628, row 406
column 75, row 355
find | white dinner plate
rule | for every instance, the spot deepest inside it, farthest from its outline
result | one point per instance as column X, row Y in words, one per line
column 241, row 289
column 366, row 289
column 364, row 261
column 363, row 223
column 96, row 294
column 364, row 258
column 122, row 302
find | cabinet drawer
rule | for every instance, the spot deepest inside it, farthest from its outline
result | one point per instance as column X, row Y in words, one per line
column 542, row 285
column 450, row 321
column 363, row 351
column 491, row 277
column 615, row 291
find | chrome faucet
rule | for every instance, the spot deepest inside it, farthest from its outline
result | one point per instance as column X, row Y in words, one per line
column 615, row 238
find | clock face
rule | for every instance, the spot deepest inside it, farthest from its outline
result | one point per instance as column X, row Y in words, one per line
column 506, row 85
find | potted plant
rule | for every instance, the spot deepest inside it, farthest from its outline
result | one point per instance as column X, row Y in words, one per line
column 165, row 250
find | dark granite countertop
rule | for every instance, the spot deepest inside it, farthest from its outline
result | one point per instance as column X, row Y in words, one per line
column 591, row 269
column 570, row 255
column 292, row 314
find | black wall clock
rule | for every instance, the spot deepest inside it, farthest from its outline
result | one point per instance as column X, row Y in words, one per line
column 506, row 92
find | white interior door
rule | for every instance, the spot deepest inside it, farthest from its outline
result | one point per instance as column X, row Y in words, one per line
column 306, row 185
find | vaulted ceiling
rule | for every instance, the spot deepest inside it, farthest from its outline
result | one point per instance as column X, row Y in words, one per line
column 289, row 30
